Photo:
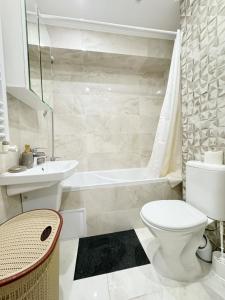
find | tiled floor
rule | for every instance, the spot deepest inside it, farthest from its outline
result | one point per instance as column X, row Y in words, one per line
column 140, row 283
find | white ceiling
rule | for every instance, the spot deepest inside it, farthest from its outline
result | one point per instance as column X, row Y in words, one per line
column 157, row 14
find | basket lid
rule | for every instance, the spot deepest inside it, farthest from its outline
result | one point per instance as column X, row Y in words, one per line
column 26, row 241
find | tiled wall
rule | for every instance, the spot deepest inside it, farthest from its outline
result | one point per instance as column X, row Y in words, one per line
column 96, row 41
column 203, row 77
column 28, row 126
column 106, row 104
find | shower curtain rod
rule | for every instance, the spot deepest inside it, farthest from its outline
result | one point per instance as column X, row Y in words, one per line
column 107, row 27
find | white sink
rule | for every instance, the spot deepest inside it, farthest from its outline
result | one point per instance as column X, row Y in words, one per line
column 47, row 172
column 40, row 187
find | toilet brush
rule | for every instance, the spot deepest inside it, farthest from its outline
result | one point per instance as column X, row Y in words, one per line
column 221, row 243
column 218, row 259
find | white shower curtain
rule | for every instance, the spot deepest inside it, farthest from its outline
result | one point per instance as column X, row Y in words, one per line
column 166, row 154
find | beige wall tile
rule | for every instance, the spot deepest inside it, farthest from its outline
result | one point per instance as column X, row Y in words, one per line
column 108, row 95
column 109, row 42
column 114, row 112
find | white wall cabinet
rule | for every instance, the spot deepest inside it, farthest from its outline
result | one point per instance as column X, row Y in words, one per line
column 16, row 55
column 4, row 125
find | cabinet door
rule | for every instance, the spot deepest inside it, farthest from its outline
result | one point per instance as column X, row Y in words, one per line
column 46, row 62
column 4, row 125
column 33, row 47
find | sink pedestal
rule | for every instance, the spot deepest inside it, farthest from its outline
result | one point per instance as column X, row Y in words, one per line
column 49, row 197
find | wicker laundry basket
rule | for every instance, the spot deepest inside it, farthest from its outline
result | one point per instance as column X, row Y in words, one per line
column 29, row 256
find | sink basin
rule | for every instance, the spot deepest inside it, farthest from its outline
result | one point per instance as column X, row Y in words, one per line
column 48, row 172
column 41, row 184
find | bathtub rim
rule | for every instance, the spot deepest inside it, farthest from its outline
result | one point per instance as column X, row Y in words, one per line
column 73, row 188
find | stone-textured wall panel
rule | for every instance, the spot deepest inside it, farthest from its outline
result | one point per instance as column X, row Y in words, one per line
column 203, row 77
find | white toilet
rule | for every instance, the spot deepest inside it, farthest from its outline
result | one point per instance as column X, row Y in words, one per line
column 179, row 226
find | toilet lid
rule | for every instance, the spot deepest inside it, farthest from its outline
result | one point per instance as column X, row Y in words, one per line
column 172, row 215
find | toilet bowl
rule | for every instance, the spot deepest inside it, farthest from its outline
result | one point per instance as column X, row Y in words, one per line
column 178, row 228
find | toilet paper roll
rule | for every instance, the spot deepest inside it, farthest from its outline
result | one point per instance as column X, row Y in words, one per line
column 213, row 157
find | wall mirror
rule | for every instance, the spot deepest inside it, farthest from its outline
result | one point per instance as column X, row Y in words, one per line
column 33, row 47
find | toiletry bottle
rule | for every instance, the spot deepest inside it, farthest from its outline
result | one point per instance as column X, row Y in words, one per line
column 5, row 146
column 27, row 159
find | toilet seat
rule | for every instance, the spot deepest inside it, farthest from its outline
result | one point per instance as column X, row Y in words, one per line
column 173, row 215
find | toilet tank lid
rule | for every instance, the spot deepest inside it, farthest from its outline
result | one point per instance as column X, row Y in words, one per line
column 206, row 166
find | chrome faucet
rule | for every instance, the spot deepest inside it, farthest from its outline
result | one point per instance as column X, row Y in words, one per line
column 39, row 156
column 54, row 158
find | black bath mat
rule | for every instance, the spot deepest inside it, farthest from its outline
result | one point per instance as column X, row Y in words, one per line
column 107, row 253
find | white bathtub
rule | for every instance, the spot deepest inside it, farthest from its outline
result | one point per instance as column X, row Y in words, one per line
column 111, row 200
column 103, row 179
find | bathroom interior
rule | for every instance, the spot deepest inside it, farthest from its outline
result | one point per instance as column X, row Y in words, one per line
column 112, row 149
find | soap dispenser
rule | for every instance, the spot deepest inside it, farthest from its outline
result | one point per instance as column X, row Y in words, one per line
column 27, row 159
